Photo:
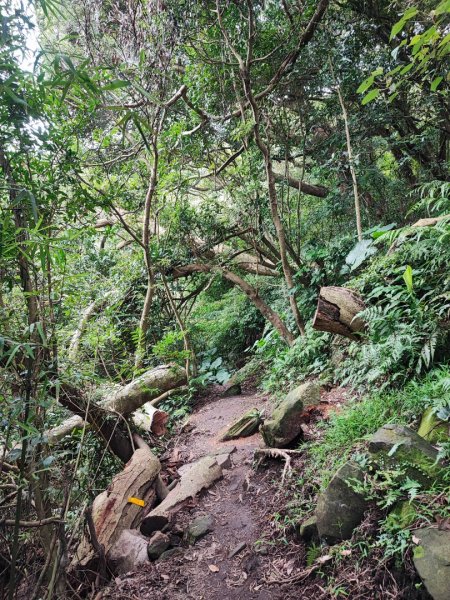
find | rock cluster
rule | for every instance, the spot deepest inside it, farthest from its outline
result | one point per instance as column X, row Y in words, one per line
column 341, row 507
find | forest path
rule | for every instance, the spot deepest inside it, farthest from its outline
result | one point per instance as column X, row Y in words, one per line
column 240, row 504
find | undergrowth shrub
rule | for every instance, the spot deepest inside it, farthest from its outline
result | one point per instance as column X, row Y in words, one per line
column 408, row 298
column 360, row 418
column 290, row 366
column 226, row 324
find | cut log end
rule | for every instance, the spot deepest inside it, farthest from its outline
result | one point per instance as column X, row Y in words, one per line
column 336, row 312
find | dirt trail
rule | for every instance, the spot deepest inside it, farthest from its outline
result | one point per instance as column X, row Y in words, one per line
column 237, row 504
column 246, row 505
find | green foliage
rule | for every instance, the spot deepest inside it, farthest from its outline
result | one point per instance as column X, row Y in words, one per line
column 361, row 417
column 407, row 297
column 170, row 348
column 225, row 323
column 211, row 369
column 424, row 47
column 290, row 366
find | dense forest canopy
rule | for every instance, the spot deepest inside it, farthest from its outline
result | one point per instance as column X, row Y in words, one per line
column 180, row 183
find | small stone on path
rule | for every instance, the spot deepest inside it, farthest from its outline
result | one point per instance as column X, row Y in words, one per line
column 159, row 542
column 199, row 527
column 237, row 549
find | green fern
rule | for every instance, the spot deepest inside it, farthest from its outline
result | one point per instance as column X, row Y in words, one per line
column 312, row 554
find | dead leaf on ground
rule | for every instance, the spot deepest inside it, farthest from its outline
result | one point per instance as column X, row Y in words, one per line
column 324, row 559
column 213, row 568
column 415, row 540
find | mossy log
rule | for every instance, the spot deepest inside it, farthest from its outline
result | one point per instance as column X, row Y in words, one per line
column 336, row 312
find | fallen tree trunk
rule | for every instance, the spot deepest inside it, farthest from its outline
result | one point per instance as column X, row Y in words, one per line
column 148, row 386
column 307, row 188
column 336, row 312
column 252, row 293
column 430, row 222
column 149, row 419
column 145, row 388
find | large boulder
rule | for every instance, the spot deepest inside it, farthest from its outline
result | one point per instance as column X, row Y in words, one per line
column 128, row 552
column 284, row 425
column 432, row 561
column 396, row 446
column 340, row 508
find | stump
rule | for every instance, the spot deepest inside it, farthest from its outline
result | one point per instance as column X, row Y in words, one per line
column 336, row 312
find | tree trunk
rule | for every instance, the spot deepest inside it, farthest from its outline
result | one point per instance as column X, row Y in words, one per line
column 263, row 308
column 273, row 198
column 131, row 397
column 95, row 306
column 145, row 388
column 250, row 291
column 122, row 506
column 336, row 312
column 351, row 161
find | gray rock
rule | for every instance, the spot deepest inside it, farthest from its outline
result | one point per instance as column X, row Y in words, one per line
column 159, row 542
column 432, row 561
column 175, row 539
column 168, row 554
column 284, row 425
column 308, row 529
column 128, row 552
column 339, row 508
column 232, row 390
column 245, row 426
column 399, row 446
column 199, row 527
column 224, row 460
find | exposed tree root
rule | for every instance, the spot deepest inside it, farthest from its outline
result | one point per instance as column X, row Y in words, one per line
column 263, row 453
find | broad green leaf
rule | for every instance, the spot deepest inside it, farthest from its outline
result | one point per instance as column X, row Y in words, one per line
column 397, row 28
column 435, row 83
column 359, row 253
column 116, row 84
column 406, row 69
column 365, row 85
column 408, row 278
column 443, row 7
column 410, row 13
column 216, row 363
column 370, row 96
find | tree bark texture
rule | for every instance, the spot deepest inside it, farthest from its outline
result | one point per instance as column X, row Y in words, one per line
column 336, row 312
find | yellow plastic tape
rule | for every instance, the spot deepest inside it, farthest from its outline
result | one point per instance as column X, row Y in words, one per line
column 137, row 501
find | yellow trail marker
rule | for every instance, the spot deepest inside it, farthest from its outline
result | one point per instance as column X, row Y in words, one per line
column 133, row 500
